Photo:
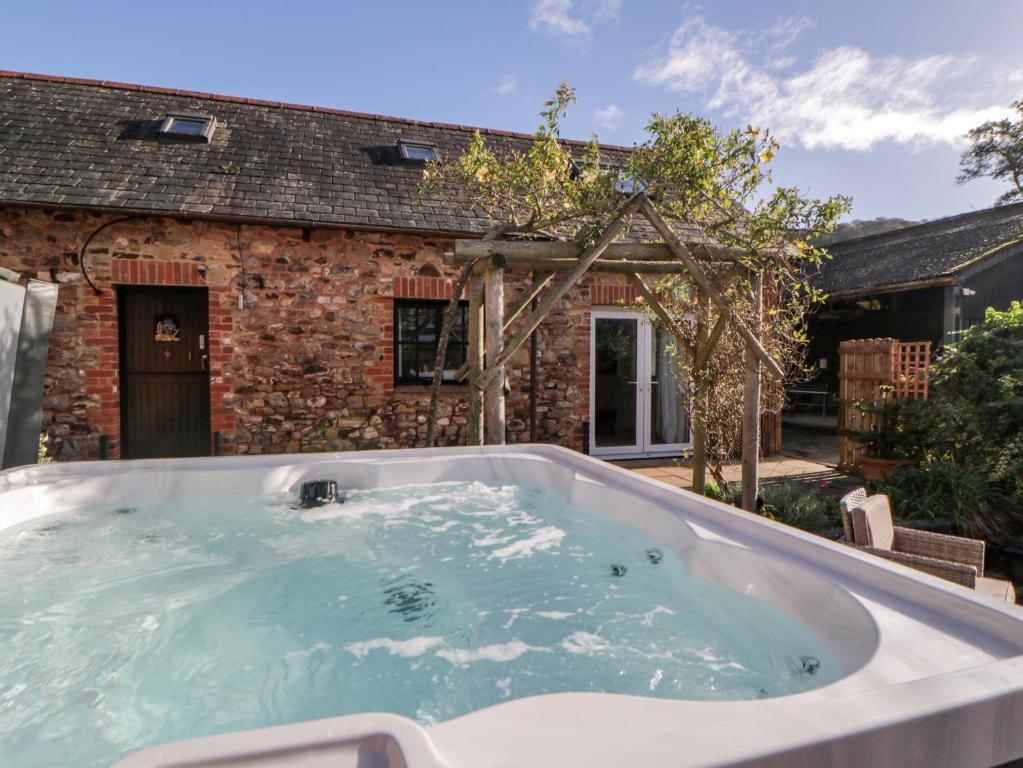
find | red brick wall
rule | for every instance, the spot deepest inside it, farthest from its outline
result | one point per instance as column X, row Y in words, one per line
column 306, row 363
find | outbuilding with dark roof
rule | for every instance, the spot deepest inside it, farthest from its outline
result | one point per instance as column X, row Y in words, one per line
column 925, row 282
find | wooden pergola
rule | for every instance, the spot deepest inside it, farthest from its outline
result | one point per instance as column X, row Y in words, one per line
column 562, row 265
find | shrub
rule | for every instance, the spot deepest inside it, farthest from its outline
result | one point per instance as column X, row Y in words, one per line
column 898, row 432
column 977, row 390
column 793, row 503
column 729, row 493
column 788, row 502
column 974, row 420
column 939, row 488
column 43, row 457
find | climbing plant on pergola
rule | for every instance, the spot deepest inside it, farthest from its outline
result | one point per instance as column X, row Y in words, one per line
column 678, row 216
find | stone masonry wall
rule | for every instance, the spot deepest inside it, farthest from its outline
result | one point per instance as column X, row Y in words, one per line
column 304, row 362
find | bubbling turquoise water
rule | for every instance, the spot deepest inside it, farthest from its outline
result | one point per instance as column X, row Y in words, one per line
column 123, row 627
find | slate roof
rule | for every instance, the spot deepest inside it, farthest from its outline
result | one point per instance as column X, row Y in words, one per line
column 85, row 143
column 924, row 252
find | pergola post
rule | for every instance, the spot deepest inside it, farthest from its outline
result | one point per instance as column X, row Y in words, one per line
column 475, row 363
column 699, row 410
column 493, row 277
column 751, row 408
column 701, row 394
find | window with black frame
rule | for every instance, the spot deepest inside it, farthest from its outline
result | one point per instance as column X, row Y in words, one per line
column 417, row 326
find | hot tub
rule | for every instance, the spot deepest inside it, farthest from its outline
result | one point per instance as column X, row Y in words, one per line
column 805, row 652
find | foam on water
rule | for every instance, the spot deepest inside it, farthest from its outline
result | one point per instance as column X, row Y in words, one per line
column 164, row 620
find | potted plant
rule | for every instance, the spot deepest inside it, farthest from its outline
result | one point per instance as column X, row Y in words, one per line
column 893, row 441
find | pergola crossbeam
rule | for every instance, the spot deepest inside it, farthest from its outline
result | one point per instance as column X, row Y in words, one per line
column 526, row 250
column 560, row 264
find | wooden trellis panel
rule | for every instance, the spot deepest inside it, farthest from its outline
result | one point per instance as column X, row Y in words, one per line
column 867, row 365
column 911, row 368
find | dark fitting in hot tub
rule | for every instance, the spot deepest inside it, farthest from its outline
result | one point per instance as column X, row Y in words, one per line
column 316, row 493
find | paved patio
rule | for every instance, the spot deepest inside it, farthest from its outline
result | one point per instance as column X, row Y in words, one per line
column 808, row 455
column 773, row 468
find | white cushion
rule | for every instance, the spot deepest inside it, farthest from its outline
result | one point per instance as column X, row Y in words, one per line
column 872, row 522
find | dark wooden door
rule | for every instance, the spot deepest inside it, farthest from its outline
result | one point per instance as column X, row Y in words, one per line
column 165, row 381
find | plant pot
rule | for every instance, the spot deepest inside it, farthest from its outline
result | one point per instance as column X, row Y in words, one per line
column 878, row 469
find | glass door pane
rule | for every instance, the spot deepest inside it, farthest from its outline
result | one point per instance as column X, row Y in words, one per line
column 615, row 368
column 668, row 411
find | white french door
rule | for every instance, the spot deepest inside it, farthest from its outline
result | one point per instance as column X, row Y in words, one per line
column 637, row 405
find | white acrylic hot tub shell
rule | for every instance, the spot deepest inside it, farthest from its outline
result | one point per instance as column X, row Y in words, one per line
column 934, row 672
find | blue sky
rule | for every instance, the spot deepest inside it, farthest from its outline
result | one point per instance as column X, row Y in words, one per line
column 869, row 98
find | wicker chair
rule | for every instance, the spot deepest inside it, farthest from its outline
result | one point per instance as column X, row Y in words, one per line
column 847, row 504
column 867, row 524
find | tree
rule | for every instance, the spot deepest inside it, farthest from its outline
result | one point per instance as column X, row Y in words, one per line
column 976, row 404
column 970, row 433
column 707, row 184
column 997, row 152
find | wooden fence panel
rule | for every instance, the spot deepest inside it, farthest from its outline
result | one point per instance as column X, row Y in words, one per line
column 865, row 367
column 770, row 433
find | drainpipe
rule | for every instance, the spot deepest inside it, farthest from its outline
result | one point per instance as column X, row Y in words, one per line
column 533, row 373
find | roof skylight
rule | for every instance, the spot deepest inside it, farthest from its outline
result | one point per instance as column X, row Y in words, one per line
column 186, row 125
column 624, row 182
column 627, row 184
column 417, row 151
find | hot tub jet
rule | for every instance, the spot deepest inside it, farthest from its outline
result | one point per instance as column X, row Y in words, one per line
column 316, row 493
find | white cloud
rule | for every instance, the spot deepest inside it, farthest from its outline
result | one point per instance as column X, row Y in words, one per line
column 778, row 38
column 609, row 117
column 553, row 16
column 508, row 85
column 602, row 10
column 846, row 98
column 575, row 24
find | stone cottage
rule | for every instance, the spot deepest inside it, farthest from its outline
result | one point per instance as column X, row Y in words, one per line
column 245, row 276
